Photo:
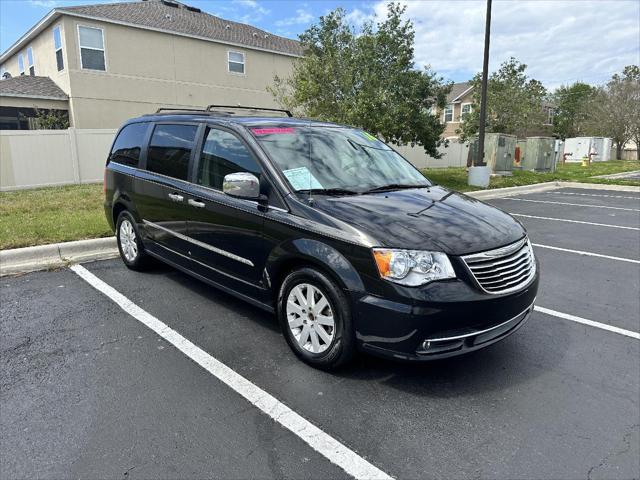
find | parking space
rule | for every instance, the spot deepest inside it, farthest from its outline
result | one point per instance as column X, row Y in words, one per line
column 603, row 240
column 88, row 391
column 522, row 207
column 597, row 288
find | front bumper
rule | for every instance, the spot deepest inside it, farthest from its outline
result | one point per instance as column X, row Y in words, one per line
column 455, row 320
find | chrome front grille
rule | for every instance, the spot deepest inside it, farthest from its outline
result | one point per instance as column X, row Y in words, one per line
column 504, row 269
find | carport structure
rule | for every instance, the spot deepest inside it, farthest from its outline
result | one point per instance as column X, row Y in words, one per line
column 108, row 372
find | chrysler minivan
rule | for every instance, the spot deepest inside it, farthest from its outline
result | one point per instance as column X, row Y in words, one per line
column 324, row 225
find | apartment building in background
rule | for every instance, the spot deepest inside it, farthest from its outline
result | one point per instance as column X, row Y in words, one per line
column 110, row 62
column 459, row 103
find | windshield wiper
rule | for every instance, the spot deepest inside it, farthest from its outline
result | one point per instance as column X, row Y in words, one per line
column 329, row 191
column 395, row 186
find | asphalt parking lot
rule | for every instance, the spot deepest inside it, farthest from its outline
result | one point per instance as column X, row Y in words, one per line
column 88, row 391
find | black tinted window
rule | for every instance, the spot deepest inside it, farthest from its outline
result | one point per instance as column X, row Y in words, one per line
column 223, row 153
column 170, row 149
column 126, row 149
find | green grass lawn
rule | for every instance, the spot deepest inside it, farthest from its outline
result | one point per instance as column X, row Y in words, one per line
column 51, row 215
column 456, row 178
column 75, row 212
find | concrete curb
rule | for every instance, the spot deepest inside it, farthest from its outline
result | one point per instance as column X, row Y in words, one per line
column 600, row 186
column 621, row 175
column 541, row 187
column 30, row 259
column 509, row 191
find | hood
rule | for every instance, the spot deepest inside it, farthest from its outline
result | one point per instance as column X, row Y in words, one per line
column 433, row 218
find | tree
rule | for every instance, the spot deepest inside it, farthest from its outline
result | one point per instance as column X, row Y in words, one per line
column 514, row 102
column 632, row 74
column 572, row 103
column 614, row 109
column 366, row 79
column 52, row 119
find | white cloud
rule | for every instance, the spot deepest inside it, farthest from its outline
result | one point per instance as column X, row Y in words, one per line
column 253, row 5
column 560, row 41
column 302, row 17
column 44, row 3
column 358, row 18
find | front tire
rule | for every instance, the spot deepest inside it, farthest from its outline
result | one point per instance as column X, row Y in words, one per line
column 129, row 244
column 315, row 318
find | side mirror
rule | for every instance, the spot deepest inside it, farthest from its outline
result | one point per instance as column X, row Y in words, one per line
column 242, row 185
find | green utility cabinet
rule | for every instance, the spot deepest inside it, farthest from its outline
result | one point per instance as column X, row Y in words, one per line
column 499, row 150
column 539, row 154
column 522, row 145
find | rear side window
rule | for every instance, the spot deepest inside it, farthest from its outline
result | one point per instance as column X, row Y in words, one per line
column 223, row 153
column 170, row 149
column 127, row 147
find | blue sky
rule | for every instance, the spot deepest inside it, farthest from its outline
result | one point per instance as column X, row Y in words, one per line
column 560, row 40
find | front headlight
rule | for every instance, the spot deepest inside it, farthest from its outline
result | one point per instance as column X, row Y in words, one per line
column 412, row 267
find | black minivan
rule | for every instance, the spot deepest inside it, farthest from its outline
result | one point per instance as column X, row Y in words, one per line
column 326, row 226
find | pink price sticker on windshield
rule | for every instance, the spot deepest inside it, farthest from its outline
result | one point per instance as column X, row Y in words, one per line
column 271, row 131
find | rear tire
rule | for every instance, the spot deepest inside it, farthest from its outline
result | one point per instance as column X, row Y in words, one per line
column 129, row 244
column 315, row 318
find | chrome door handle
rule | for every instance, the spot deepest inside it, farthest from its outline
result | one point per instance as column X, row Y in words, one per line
column 195, row 203
column 175, row 197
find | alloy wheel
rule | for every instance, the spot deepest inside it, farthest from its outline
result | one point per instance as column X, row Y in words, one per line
column 128, row 240
column 310, row 318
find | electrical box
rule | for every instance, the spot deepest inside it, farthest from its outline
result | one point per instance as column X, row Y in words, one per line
column 499, row 152
column 518, row 159
column 577, row 148
column 539, row 154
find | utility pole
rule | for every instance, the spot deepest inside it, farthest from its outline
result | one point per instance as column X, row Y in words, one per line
column 479, row 160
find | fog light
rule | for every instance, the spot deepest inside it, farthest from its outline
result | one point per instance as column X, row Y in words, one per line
column 429, row 346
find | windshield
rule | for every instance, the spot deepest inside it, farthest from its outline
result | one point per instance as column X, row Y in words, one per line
column 338, row 160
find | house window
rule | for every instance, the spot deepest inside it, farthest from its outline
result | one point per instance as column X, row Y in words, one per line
column 236, row 62
column 465, row 109
column 57, row 45
column 448, row 113
column 91, row 48
column 32, row 68
column 21, row 64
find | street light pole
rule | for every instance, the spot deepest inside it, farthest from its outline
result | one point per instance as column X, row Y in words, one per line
column 479, row 160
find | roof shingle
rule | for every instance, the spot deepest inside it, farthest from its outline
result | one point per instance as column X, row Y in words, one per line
column 30, row 86
column 159, row 15
column 456, row 90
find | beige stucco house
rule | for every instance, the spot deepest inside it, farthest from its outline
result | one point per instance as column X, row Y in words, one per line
column 459, row 103
column 115, row 61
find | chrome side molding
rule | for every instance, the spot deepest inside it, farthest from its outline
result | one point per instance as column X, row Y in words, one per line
column 213, row 249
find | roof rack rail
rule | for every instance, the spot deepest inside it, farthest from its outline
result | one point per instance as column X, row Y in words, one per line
column 178, row 109
column 238, row 107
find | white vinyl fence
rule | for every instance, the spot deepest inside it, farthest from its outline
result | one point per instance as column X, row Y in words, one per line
column 454, row 155
column 39, row 158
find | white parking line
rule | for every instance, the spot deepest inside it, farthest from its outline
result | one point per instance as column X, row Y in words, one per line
column 597, row 195
column 591, row 323
column 571, row 204
column 573, row 221
column 323, row 443
column 588, row 254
